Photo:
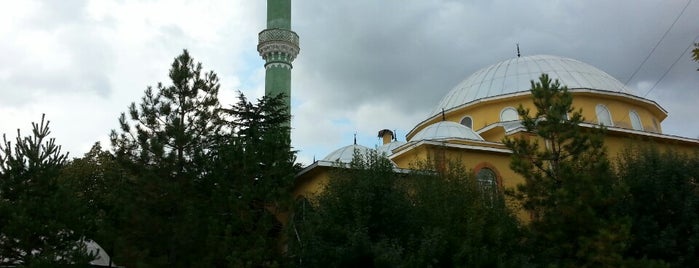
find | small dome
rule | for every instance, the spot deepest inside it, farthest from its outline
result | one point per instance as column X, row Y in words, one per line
column 445, row 130
column 514, row 75
column 387, row 148
column 346, row 153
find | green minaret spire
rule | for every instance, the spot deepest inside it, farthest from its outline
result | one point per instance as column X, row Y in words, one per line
column 278, row 46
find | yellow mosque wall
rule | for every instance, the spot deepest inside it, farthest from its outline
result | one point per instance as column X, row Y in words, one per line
column 412, row 158
column 312, row 183
column 616, row 144
column 482, row 113
column 619, row 109
column 487, row 112
column 470, row 159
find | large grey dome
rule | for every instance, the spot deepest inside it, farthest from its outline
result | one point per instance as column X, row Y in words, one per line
column 514, row 75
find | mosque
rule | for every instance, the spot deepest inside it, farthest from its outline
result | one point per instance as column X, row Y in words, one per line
column 471, row 121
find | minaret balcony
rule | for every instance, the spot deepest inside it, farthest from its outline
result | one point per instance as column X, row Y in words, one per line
column 276, row 41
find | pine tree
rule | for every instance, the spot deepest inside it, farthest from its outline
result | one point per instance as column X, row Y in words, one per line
column 208, row 185
column 250, row 184
column 569, row 186
column 164, row 148
column 41, row 223
column 173, row 126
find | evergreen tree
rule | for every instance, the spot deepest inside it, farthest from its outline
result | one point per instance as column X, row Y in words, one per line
column 372, row 216
column 173, row 126
column 569, row 186
column 164, row 148
column 663, row 203
column 41, row 223
column 249, row 184
column 206, row 185
column 262, row 133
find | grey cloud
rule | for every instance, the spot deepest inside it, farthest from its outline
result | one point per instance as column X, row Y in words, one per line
column 405, row 54
column 414, row 52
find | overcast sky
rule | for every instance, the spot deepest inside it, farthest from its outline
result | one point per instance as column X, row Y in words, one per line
column 364, row 65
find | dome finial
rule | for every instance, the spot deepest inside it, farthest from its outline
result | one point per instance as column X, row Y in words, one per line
column 443, row 117
column 518, row 55
column 355, row 138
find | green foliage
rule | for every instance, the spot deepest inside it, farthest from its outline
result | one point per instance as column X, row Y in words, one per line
column 358, row 217
column 100, row 183
column 164, row 150
column 40, row 223
column 663, row 202
column 204, row 184
column 249, row 183
column 569, row 186
column 173, row 126
column 470, row 225
column 370, row 215
column 261, row 136
column 567, row 145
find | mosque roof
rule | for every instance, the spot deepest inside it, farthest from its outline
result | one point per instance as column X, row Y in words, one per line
column 514, row 75
column 445, row 130
column 388, row 148
column 345, row 154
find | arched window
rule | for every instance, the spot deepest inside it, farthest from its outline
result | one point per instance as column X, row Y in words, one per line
column 603, row 116
column 487, row 180
column 635, row 120
column 509, row 114
column 467, row 121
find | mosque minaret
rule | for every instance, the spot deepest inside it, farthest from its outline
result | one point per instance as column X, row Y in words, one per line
column 278, row 45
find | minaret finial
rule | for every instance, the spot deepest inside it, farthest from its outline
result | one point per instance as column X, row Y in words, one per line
column 518, row 55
